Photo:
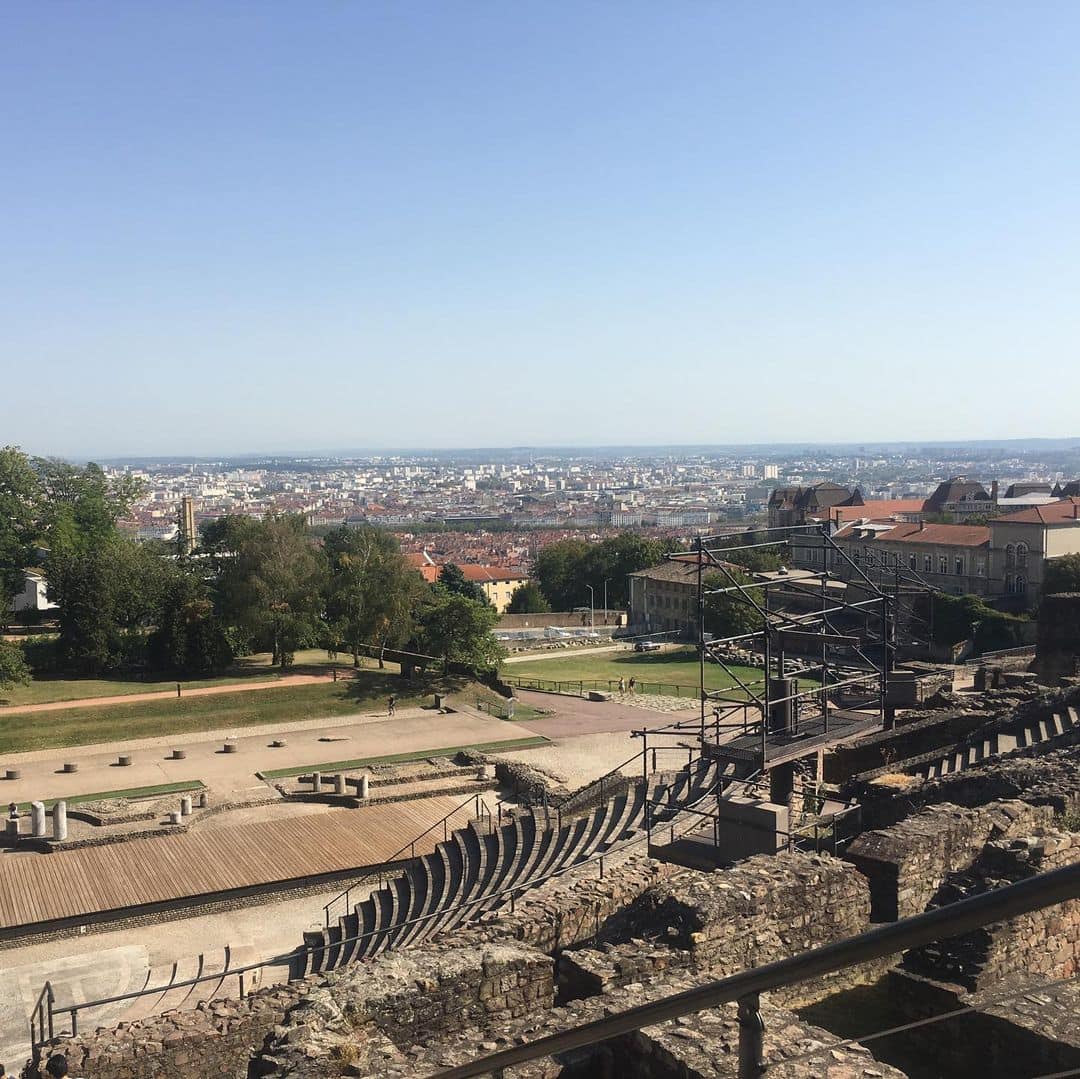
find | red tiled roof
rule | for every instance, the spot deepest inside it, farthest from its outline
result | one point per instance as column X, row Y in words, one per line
column 484, row 574
column 1053, row 513
column 884, row 507
column 933, row 534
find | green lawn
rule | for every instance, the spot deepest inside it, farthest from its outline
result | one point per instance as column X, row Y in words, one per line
column 246, row 669
column 232, row 711
column 677, row 667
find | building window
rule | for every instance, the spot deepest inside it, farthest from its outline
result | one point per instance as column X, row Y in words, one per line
column 1010, row 555
column 1021, row 584
column 943, row 563
column 1021, row 554
column 980, row 567
column 928, row 563
column 959, row 566
column 1010, row 584
column 913, row 561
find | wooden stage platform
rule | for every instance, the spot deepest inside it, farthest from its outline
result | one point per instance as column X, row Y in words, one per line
column 94, row 884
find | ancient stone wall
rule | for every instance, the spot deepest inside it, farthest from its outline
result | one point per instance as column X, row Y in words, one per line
column 907, row 863
column 400, row 998
column 1058, row 643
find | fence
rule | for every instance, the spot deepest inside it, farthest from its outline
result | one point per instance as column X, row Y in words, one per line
column 578, row 687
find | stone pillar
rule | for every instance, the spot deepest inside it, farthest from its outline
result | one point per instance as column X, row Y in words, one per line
column 59, row 822
column 185, row 806
column 37, row 819
column 174, row 817
column 204, row 799
column 316, row 781
column 363, row 786
column 339, row 783
column 13, row 824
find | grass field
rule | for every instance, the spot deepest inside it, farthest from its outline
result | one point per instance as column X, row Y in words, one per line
column 677, row 667
column 246, row 669
column 186, row 715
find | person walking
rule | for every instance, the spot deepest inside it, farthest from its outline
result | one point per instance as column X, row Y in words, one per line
column 622, row 684
column 391, row 705
column 633, row 684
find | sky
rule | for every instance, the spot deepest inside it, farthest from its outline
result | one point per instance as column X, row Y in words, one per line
column 252, row 227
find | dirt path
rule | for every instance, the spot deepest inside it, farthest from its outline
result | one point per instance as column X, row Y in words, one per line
column 200, row 691
column 564, row 653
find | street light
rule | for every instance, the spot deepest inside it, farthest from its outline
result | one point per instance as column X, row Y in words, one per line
column 592, row 604
column 606, row 579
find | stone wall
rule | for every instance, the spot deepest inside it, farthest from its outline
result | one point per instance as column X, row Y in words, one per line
column 907, row 863
column 400, row 998
column 702, row 1045
column 764, row 909
column 1042, row 944
column 1035, row 776
column 1058, row 643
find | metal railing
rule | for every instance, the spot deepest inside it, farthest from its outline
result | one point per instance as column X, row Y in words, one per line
column 1001, row 653
column 745, row 988
column 480, row 811
column 42, row 1020
column 577, row 687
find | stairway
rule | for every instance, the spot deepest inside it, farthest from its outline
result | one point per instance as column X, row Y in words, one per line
column 480, row 866
column 1036, row 733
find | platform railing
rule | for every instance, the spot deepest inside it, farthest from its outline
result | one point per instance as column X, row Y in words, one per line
column 745, row 988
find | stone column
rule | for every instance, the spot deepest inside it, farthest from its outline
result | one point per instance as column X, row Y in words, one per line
column 339, row 783
column 37, row 820
column 316, row 781
column 204, row 800
column 185, row 806
column 59, row 822
column 13, row 824
column 363, row 786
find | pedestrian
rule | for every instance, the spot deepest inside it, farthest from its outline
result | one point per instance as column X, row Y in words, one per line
column 391, row 705
column 633, row 683
column 622, row 685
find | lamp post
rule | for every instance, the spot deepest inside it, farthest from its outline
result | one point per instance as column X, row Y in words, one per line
column 592, row 605
column 606, row 579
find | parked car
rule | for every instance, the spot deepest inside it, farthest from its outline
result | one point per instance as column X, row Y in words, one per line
column 646, row 646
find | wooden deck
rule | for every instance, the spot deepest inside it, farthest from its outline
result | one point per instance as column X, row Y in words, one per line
column 88, row 881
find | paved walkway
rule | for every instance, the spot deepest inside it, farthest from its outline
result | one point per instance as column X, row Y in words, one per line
column 577, row 716
column 310, row 743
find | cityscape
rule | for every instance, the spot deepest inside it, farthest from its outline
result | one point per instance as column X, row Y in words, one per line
column 540, row 541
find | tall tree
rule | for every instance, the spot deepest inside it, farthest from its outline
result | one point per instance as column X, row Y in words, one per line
column 453, row 579
column 13, row 668
column 188, row 638
column 458, row 630
column 372, row 592
column 728, row 614
column 556, row 570
column 272, row 585
column 528, row 599
column 1061, row 574
column 19, row 505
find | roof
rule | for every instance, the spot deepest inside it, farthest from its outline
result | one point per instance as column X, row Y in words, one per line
column 1053, row 513
column 678, row 570
column 488, row 574
column 918, row 532
column 958, row 489
column 884, row 507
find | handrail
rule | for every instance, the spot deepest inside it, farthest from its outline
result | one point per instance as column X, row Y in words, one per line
column 288, row 958
column 476, row 798
column 1034, row 893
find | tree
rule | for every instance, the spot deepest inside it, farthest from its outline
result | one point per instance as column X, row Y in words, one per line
column 108, row 592
column 1061, row 574
column 188, row 638
column 557, row 572
column 13, row 668
column 372, row 593
column 271, row 585
column 458, row 630
column 453, row 579
column 728, row 614
column 528, row 599
column 19, row 503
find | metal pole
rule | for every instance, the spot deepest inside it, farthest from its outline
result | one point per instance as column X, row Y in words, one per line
column 701, row 637
column 751, row 1037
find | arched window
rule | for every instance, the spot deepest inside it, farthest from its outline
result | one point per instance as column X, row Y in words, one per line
column 1021, row 554
column 1021, row 584
column 1010, row 555
column 1010, row 584
column 943, row 563
column 960, row 565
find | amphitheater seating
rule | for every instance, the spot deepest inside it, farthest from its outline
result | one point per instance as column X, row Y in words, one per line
column 478, row 867
column 1032, row 734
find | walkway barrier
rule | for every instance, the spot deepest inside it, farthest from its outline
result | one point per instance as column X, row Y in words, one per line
column 745, row 988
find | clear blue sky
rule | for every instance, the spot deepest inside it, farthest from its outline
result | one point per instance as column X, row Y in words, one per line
column 255, row 226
